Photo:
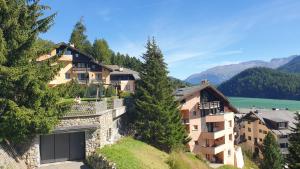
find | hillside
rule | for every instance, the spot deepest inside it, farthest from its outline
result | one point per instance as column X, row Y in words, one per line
column 263, row 83
column 132, row 154
column 219, row 74
column 292, row 66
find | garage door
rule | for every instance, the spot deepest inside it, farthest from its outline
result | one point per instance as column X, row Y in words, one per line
column 62, row 147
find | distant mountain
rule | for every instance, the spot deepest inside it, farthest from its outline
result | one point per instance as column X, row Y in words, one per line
column 292, row 66
column 219, row 74
column 177, row 83
column 263, row 83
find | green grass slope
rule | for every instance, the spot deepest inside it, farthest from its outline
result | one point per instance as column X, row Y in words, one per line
column 133, row 154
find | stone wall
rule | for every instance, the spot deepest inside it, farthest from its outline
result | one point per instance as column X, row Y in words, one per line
column 8, row 159
column 97, row 161
column 107, row 131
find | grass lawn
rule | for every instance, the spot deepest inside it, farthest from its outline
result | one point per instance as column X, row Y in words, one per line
column 132, row 154
column 183, row 160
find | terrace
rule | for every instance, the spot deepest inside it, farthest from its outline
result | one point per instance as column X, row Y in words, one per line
column 91, row 106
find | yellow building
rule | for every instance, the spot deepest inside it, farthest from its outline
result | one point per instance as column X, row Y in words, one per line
column 257, row 123
column 85, row 70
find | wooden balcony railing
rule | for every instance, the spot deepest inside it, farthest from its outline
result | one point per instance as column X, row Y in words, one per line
column 209, row 105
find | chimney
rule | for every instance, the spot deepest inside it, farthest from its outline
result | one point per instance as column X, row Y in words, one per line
column 204, row 82
column 72, row 45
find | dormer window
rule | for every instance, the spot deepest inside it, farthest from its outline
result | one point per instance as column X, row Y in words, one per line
column 282, row 125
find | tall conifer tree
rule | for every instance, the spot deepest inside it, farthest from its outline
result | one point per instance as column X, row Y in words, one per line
column 27, row 105
column 79, row 38
column 158, row 118
column 271, row 152
column 293, row 158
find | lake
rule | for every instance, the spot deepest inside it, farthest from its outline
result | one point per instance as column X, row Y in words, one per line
column 244, row 102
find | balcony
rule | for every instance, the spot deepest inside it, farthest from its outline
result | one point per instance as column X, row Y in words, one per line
column 81, row 69
column 66, row 58
column 219, row 117
column 209, row 105
column 213, row 135
column 215, row 149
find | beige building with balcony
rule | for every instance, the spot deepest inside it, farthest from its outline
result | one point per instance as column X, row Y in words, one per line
column 209, row 119
column 258, row 122
column 85, row 70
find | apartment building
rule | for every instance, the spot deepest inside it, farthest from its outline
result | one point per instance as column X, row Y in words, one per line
column 85, row 70
column 208, row 117
column 257, row 123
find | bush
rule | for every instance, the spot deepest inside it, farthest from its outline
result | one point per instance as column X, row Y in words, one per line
column 124, row 94
column 70, row 90
column 110, row 91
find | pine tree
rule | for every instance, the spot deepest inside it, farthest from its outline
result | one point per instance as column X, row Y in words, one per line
column 27, row 105
column 79, row 38
column 271, row 152
column 158, row 119
column 293, row 158
column 101, row 51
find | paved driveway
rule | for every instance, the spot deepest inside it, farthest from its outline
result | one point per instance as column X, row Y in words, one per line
column 65, row 165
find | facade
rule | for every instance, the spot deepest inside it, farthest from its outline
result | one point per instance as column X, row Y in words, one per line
column 209, row 119
column 257, row 123
column 87, row 126
column 123, row 79
column 77, row 66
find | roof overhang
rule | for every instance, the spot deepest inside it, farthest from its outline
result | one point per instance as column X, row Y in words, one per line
column 58, row 130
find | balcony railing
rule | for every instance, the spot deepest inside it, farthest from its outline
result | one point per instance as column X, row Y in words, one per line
column 219, row 117
column 81, row 69
column 209, row 105
column 215, row 149
column 214, row 134
column 94, row 108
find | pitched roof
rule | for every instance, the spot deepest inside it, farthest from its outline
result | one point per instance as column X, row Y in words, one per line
column 274, row 115
column 183, row 93
column 117, row 70
column 77, row 50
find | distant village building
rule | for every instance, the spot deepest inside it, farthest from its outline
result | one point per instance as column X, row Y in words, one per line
column 208, row 117
column 258, row 122
column 86, row 70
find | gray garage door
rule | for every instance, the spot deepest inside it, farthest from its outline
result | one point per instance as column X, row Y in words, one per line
column 62, row 147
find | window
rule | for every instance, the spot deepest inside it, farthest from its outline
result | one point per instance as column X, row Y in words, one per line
column 67, row 76
column 230, row 123
column 194, row 113
column 98, row 76
column 282, row 125
column 249, row 122
column 260, row 130
column 259, row 122
column 260, row 139
column 195, row 127
column 109, row 134
column 265, row 132
column 229, row 152
column 77, row 55
column 81, row 76
column 196, row 143
column 183, row 101
column 249, row 137
column 283, row 145
column 230, row 137
column 81, row 65
column 249, row 129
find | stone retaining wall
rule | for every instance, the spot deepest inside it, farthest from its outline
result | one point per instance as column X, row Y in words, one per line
column 107, row 131
column 8, row 160
column 97, row 161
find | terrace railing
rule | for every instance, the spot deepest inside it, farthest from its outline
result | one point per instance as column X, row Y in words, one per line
column 209, row 105
column 93, row 108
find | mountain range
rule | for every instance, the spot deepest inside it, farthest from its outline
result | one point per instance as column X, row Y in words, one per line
column 219, row 74
column 261, row 82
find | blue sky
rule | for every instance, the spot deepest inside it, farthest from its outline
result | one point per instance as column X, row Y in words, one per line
column 193, row 35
